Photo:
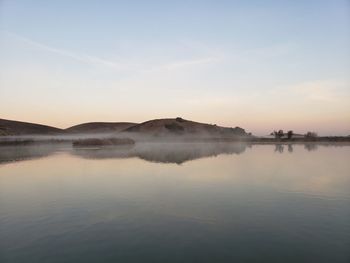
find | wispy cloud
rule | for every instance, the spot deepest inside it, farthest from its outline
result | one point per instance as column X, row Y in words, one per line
column 271, row 51
column 321, row 90
column 98, row 61
column 87, row 59
column 186, row 63
column 181, row 64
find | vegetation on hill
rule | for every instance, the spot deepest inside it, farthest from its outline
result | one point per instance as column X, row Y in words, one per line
column 179, row 126
column 99, row 127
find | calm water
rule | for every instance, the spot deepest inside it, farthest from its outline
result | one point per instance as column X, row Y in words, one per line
column 175, row 203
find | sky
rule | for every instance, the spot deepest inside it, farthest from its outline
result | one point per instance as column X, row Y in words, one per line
column 260, row 65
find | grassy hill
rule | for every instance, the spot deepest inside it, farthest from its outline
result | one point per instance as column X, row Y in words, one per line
column 9, row 127
column 160, row 127
column 179, row 126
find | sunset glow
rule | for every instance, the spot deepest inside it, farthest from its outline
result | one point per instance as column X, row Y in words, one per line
column 260, row 67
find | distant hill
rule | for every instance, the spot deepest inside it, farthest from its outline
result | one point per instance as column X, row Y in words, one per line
column 179, row 126
column 99, row 127
column 9, row 127
column 159, row 127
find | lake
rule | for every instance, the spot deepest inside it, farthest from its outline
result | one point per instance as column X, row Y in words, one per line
column 175, row 202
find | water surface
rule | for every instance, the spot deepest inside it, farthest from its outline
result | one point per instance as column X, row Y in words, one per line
column 175, row 203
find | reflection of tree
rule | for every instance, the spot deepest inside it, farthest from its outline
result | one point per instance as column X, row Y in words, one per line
column 290, row 148
column 279, row 148
column 310, row 147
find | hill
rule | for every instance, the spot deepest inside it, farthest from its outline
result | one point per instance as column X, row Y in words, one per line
column 99, row 127
column 179, row 126
column 9, row 127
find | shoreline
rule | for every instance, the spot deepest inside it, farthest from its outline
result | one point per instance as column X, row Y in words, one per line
column 8, row 141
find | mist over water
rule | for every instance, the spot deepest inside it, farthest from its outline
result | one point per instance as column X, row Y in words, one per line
column 175, row 202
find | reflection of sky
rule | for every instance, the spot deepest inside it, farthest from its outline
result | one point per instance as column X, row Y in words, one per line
column 260, row 66
column 322, row 172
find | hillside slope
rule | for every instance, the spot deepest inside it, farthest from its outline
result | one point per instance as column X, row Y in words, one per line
column 179, row 126
column 9, row 127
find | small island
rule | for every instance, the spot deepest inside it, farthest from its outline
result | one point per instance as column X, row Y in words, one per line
column 102, row 142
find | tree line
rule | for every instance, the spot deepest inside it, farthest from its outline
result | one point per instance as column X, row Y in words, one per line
column 280, row 134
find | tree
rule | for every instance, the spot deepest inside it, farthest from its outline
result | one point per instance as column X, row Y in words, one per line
column 310, row 134
column 279, row 134
column 290, row 134
column 275, row 133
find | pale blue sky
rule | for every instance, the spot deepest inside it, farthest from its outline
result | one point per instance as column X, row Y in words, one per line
column 261, row 65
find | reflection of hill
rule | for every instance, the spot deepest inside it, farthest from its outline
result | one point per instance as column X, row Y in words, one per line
column 21, row 153
column 163, row 152
column 182, row 152
column 153, row 152
column 108, row 152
